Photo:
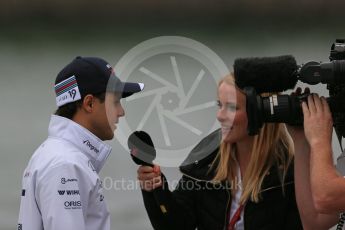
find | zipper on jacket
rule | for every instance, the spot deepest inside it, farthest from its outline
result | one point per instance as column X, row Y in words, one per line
column 194, row 178
column 244, row 214
column 227, row 210
column 278, row 186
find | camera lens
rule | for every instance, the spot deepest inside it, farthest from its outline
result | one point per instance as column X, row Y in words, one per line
column 282, row 108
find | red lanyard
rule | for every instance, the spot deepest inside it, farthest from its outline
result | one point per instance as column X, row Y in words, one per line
column 235, row 218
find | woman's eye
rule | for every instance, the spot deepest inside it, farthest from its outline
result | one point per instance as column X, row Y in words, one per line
column 231, row 107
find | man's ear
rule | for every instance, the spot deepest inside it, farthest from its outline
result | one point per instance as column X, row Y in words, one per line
column 88, row 103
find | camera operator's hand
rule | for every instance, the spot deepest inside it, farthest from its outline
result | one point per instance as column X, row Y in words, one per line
column 149, row 177
column 297, row 132
column 318, row 124
column 309, row 211
column 327, row 185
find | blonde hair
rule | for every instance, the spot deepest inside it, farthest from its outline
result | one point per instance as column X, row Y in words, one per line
column 273, row 145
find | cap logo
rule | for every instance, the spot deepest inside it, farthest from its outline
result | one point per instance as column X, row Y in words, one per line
column 67, row 91
column 111, row 69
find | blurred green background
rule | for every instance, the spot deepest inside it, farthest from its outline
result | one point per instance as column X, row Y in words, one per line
column 37, row 38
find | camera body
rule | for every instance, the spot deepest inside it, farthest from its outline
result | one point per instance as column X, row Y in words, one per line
column 287, row 108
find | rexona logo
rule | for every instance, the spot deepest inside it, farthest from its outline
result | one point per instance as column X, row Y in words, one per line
column 68, row 192
column 72, row 204
column 88, row 144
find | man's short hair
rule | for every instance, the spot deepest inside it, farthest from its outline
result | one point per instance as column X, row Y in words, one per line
column 70, row 109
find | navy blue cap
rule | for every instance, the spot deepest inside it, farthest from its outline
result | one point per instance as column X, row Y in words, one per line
column 90, row 75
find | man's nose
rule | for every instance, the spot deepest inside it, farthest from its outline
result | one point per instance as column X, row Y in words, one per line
column 121, row 112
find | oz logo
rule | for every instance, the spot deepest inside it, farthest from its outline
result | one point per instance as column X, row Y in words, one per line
column 177, row 106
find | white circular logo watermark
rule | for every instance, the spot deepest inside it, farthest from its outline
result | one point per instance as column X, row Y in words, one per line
column 177, row 106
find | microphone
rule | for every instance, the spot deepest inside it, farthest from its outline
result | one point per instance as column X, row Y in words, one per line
column 141, row 148
column 267, row 74
column 143, row 153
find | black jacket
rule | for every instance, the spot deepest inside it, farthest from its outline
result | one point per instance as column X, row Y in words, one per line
column 198, row 203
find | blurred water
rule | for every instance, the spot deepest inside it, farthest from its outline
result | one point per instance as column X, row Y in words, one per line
column 27, row 71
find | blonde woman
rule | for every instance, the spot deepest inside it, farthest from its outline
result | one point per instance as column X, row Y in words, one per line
column 246, row 183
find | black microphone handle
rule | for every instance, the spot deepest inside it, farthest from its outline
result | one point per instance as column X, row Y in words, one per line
column 143, row 153
column 158, row 193
column 160, row 197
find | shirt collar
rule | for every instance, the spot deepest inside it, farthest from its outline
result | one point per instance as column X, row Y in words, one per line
column 93, row 147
